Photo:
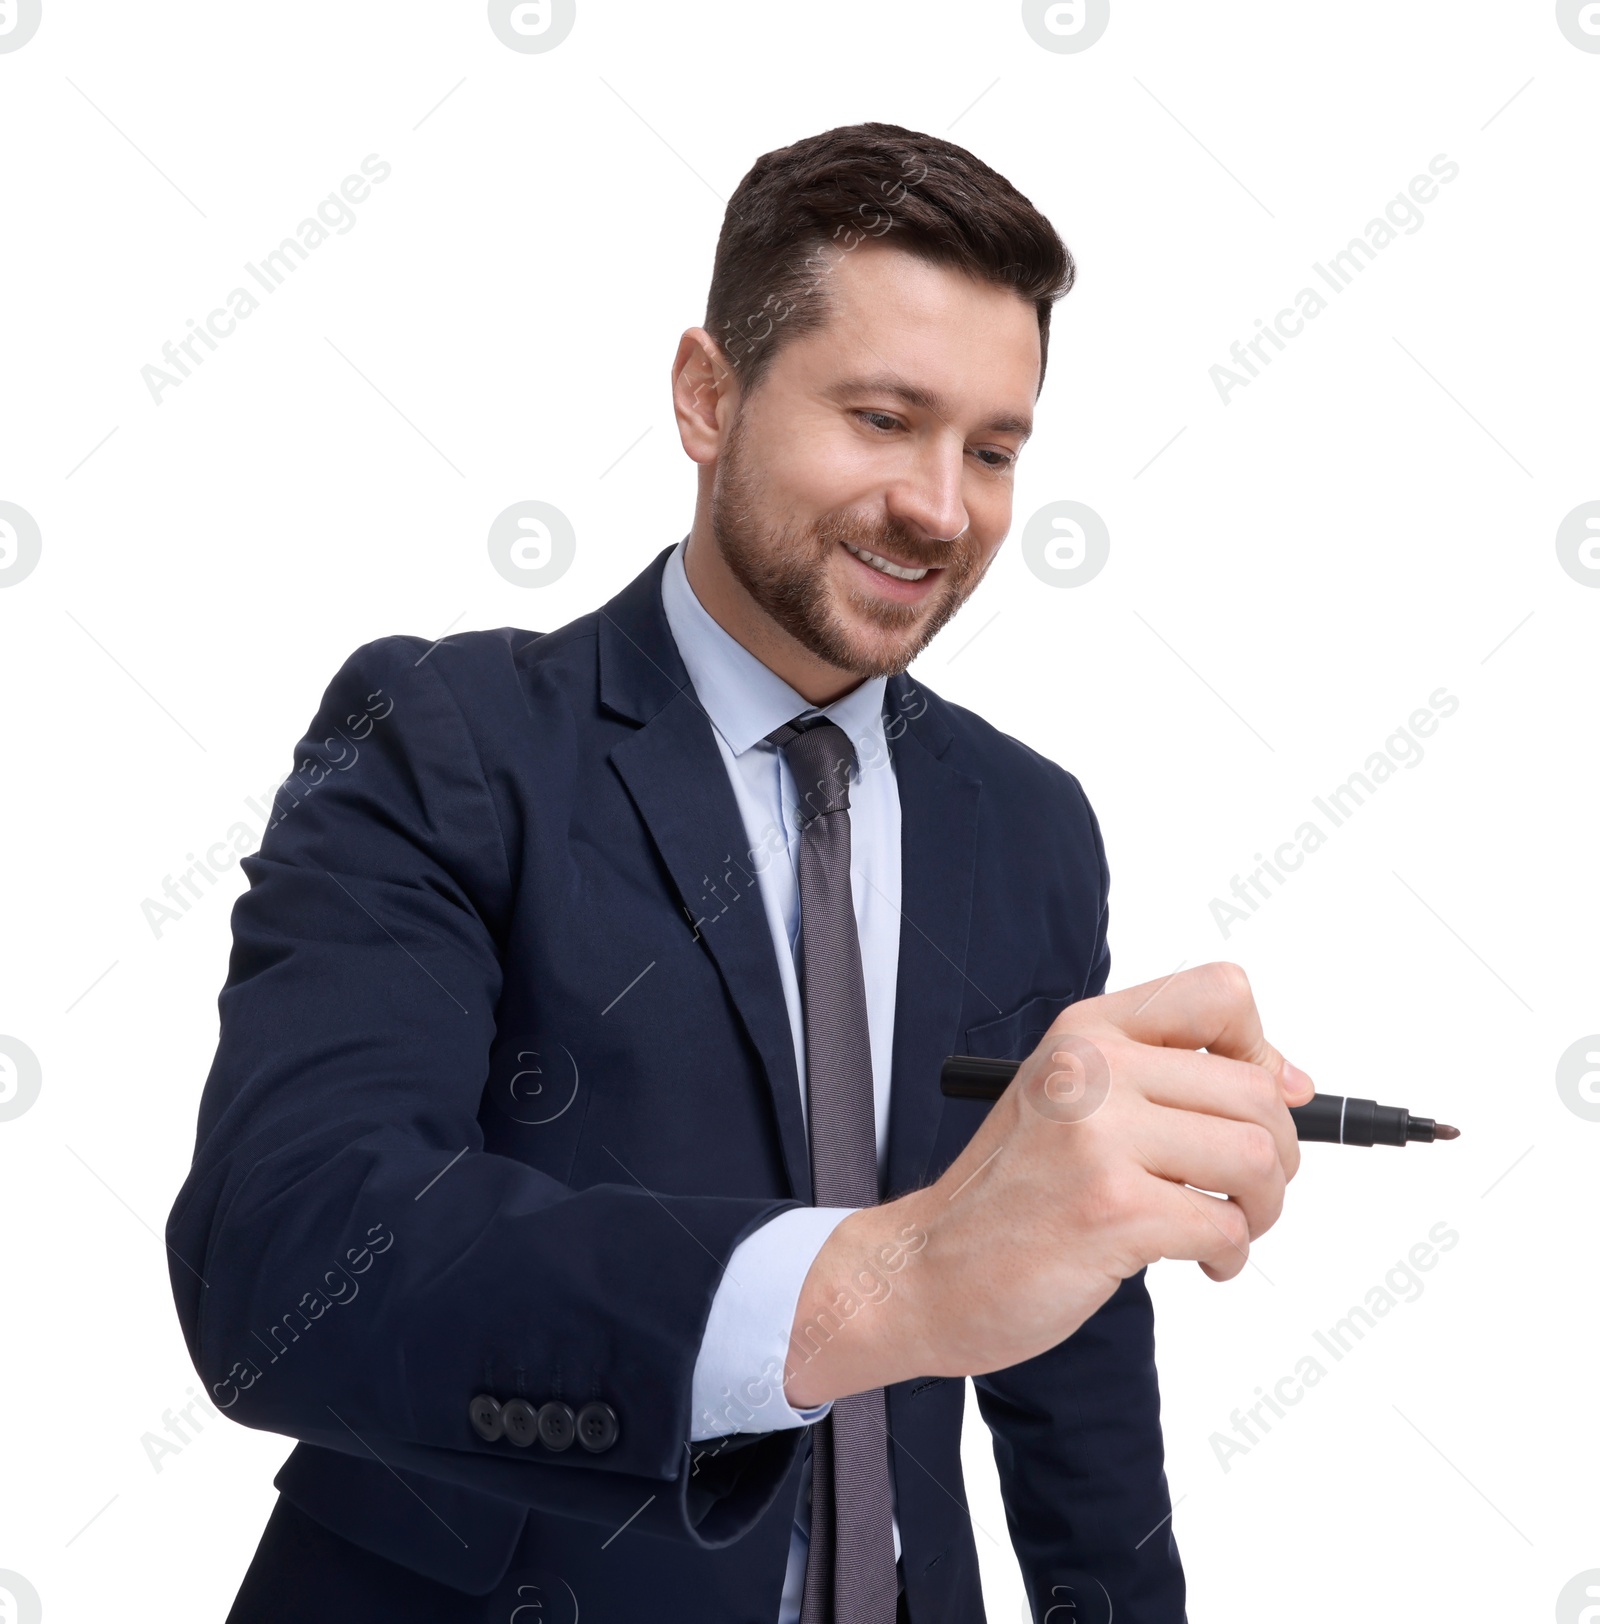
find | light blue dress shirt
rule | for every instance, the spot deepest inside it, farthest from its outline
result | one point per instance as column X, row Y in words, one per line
column 738, row 1375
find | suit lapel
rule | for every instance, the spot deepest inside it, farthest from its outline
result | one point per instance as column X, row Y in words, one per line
column 678, row 781
column 938, row 857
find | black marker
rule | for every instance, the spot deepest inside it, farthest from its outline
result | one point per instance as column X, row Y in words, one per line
column 1330, row 1119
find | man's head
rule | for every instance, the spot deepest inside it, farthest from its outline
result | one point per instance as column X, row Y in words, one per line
column 874, row 342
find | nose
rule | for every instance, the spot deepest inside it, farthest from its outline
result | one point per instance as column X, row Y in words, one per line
column 927, row 496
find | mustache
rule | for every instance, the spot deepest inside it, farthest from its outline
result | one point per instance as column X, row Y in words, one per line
column 893, row 541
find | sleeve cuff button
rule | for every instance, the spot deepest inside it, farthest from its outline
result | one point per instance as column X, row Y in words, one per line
column 484, row 1413
column 597, row 1426
column 556, row 1425
column 521, row 1421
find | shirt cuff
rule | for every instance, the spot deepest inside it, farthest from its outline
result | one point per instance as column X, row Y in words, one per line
column 738, row 1374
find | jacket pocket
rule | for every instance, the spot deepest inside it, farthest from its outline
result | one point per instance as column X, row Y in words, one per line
column 1016, row 1036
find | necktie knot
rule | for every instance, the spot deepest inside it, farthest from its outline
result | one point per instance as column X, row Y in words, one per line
column 821, row 758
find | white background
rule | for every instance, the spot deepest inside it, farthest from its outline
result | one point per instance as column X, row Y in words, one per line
column 1373, row 518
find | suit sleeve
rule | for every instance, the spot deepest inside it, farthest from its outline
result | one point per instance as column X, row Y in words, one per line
column 1077, row 1439
column 1100, row 951
column 350, row 1266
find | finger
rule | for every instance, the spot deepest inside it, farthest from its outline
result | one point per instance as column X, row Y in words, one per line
column 1209, row 1006
column 1191, row 1226
column 1219, row 1087
column 1236, row 1159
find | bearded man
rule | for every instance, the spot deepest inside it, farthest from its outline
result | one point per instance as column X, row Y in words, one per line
column 573, row 1178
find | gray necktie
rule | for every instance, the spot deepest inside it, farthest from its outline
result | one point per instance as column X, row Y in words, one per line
column 850, row 1567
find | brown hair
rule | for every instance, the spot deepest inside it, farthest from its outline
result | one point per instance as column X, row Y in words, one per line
column 801, row 208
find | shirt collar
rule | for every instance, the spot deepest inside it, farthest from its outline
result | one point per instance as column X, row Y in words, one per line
column 745, row 699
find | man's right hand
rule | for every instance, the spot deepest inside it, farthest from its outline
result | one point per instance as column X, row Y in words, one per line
column 1094, row 1163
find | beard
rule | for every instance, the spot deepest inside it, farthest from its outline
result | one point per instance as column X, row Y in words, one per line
column 785, row 570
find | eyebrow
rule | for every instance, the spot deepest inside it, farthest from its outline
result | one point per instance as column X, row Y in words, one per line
column 926, row 400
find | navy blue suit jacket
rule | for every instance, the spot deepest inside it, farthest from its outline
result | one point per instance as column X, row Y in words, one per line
column 505, row 1074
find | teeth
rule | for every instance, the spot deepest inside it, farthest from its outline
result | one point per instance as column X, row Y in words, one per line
column 898, row 571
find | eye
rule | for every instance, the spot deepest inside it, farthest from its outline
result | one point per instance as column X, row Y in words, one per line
column 886, row 422
column 1007, row 459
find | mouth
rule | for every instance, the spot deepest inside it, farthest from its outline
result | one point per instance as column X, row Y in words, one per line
column 905, row 583
column 901, row 572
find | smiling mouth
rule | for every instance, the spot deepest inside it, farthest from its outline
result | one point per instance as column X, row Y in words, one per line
column 884, row 566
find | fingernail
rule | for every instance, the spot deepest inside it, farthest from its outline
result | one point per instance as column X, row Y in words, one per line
column 1293, row 1079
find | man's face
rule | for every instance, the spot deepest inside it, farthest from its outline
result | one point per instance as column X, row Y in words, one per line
column 891, row 431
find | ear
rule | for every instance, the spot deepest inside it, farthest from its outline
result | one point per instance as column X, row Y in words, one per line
column 705, row 395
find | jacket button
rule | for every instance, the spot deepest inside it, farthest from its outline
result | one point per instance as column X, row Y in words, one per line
column 521, row 1421
column 484, row 1413
column 597, row 1426
column 556, row 1426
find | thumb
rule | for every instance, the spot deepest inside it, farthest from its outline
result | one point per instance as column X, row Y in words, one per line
column 1296, row 1085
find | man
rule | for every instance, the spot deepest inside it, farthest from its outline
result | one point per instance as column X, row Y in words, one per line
column 573, row 1177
